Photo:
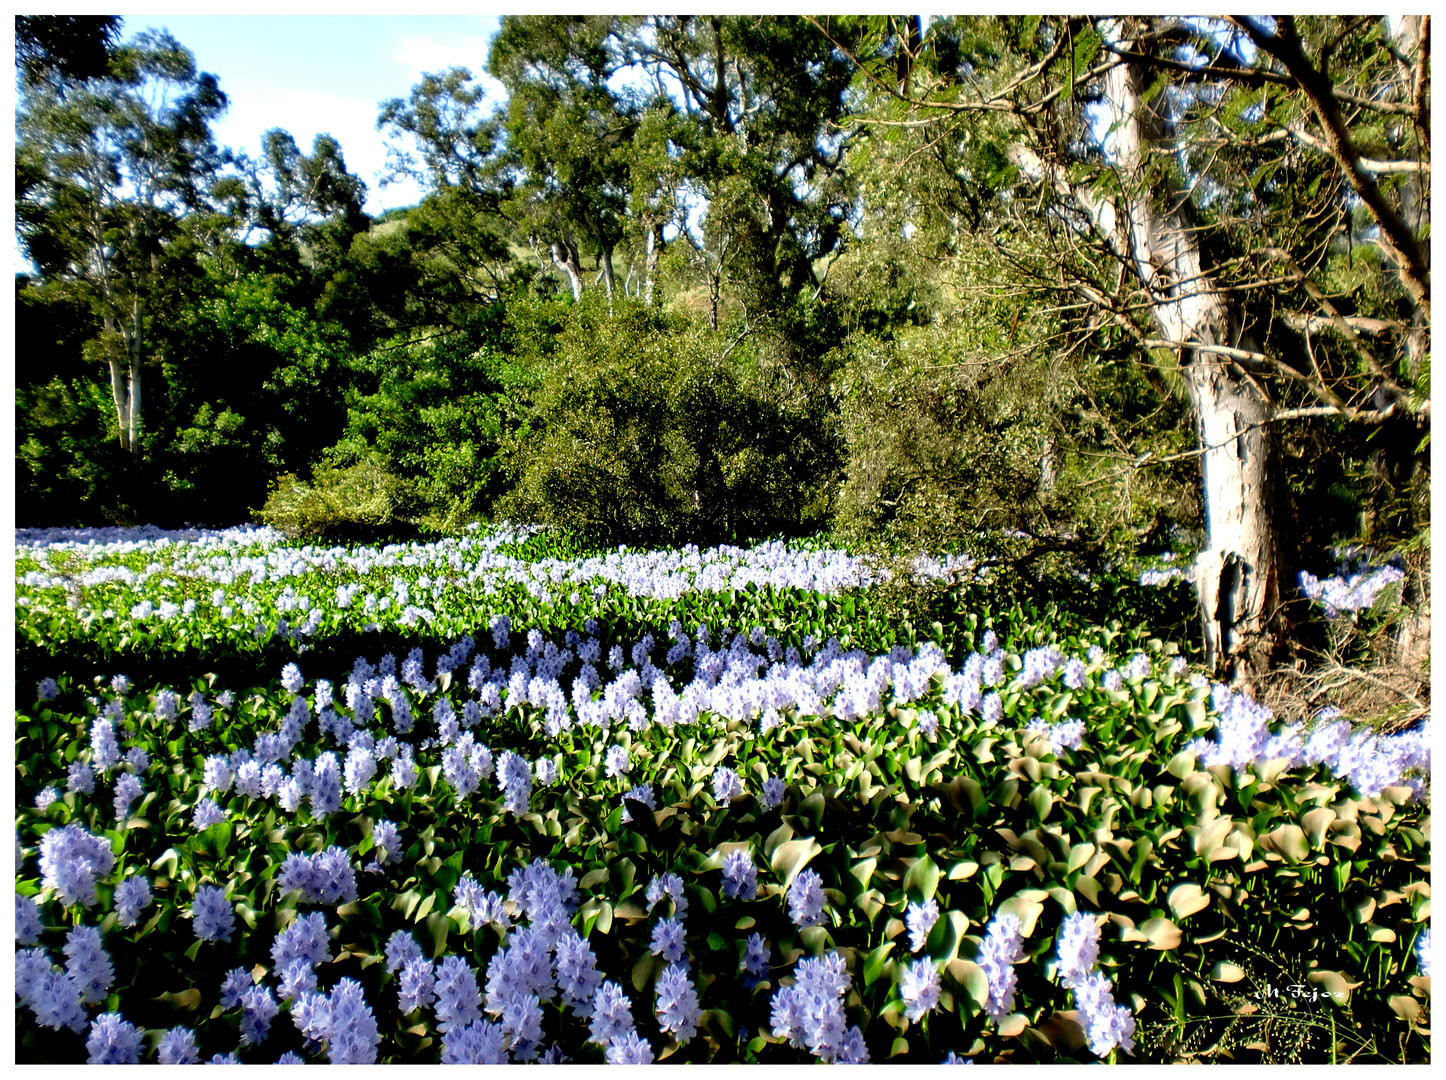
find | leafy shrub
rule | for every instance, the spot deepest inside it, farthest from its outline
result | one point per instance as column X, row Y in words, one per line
column 347, row 503
column 652, row 431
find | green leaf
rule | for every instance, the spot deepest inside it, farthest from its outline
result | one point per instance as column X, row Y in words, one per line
column 922, row 880
column 789, row 858
column 1186, row 899
column 1162, row 934
column 875, row 962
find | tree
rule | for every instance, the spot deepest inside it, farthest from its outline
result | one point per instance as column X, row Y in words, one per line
column 1211, row 189
column 106, row 174
column 64, row 48
column 569, row 138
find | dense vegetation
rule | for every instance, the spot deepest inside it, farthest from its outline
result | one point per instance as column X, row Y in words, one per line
column 693, row 806
column 976, row 591
column 828, row 289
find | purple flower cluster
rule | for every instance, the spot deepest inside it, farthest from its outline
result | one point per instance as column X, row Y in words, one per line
column 919, row 919
column 48, row 991
column 740, row 876
column 1369, row 761
column 324, row 878
column 132, row 896
column 805, row 899
column 113, row 1041
column 919, row 988
column 810, row 1012
column 212, row 916
column 727, row 784
column 1062, row 736
column 1350, row 591
column 87, row 964
column 1003, row 946
column 1106, row 1024
column 668, row 940
column 756, row 957
column 677, row 1004
column 71, row 860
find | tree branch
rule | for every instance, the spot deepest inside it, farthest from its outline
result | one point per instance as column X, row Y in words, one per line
column 1397, row 238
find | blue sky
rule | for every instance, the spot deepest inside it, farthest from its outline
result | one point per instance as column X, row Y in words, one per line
column 323, row 73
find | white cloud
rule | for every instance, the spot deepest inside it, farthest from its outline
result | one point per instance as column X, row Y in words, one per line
column 424, row 54
column 351, row 121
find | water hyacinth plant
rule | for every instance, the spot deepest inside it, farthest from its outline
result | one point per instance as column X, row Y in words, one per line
column 711, row 810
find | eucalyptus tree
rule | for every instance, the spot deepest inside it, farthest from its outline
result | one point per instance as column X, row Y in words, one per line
column 1241, row 201
column 108, row 171
column 569, row 136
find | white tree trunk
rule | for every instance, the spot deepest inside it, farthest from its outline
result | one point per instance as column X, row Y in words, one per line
column 1237, row 574
column 566, row 261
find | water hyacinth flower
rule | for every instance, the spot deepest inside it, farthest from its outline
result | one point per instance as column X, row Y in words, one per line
column 105, row 752
column 178, row 1047
column 415, row 989
column 577, row 974
column 629, row 1048
column 677, row 1003
column 71, row 860
column 324, row 878
column 259, row 1008
column 805, row 899
column 1423, row 953
column 388, row 843
column 131, row 897
column 772, row 792
column 668, row 940
column 1078, row 947
column 756, row 957
column 919, row 920
column 643, row 793
column 113, row 1041
column 612, row 1014
column 48, row 991
column 212, row 916
column 208, row 812
column 306, row 941
column 740, row 876
column 479, row 1043
column 458, row 998
column 1003, row 946
column 727, row 784
column 88, row 964
column 291, row 680
column 515, row 776
column 45, row 798
column 28, row 927
column 351, row 1029
column 46, row 690
column 400, row 948
column 616, row 761
column 127, row 791
column 79, row 778
column 810, row 1012
column 671, row 886
column 919, row 988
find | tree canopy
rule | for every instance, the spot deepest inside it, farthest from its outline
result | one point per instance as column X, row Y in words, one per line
column 1056, row 288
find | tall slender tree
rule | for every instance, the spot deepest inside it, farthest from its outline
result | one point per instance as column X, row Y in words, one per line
column 108, row 170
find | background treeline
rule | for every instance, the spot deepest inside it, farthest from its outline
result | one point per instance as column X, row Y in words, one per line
column 714, row 279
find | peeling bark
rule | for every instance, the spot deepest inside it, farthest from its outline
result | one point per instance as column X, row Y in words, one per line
column 565, row 259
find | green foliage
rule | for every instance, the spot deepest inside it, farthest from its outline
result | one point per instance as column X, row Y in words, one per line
column 1212, row 887
column 339, row 503
column 653, row 430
